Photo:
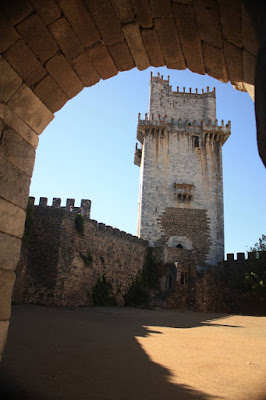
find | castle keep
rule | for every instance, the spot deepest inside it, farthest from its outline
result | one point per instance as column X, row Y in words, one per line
column 181, row 181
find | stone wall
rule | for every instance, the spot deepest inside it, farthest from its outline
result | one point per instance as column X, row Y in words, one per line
column 52, row 269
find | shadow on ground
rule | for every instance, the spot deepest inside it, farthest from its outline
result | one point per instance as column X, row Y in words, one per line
column 90, row 353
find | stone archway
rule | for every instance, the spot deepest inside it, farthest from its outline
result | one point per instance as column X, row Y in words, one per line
column 51, row 50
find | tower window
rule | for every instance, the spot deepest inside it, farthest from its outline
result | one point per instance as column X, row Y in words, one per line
column 182, row 278
column 196, row 141
column 179, row 246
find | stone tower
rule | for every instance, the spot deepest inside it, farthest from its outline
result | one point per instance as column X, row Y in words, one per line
column 181, row 180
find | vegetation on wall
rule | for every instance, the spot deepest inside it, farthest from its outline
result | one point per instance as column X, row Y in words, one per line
column 79, row 224
column 102, row 293
column 87, row 258
column 255, row 275
column 138, row 293
column 28, row 223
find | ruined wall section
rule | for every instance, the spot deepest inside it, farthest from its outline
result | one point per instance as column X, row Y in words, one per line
column 180, row 104
column 52, row 270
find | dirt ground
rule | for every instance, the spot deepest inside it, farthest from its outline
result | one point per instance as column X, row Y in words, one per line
column 124, row 354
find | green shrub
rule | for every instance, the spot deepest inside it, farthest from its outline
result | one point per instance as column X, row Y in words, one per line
column 88, row 260
column 79, row 224
column 102, row 293
column 137, row 294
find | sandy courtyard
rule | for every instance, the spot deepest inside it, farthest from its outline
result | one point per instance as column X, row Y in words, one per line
column 121, row 353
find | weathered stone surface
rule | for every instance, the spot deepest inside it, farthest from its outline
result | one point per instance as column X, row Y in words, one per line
column 16, row 10
column 249, row 38
column 102, row 61
column 214, row 62
column 134, row 40
column 12, row 219
column 106, row 20
column 123, row 10
column 121, row 55
column 30, row 109
column 13, row 121
column 143, row 13
column 230, row 14
column 233, row 60
column 188, row 33
column 38, row 37
column 9, row 259
column 170, row 43
column 66, row 38
column 7, row 279
column 14, row 183
column 249, row 64
column 3, row 335
column 85, row 70
column 17, row 151
column 25, row 63
column 50, row 94
column 59, row 68
column 207, row 15
column 8, row 35
column 81, row 21
column 9, row 81
column 48, row 10
column 152, row 46
column 161, row 8
column 183, row 1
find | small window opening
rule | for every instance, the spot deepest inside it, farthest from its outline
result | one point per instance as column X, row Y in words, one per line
column 182, row 278
column 186, row 279
column 196, row 141
column 169, row 282
column 179, row 246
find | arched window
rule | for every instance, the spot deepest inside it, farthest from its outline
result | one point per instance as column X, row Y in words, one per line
column 182, row 278
column 196, row 141
column 179, row 246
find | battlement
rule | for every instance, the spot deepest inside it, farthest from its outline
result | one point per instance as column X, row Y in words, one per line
column 240, row 257
column 178, row 92
column 84, row 209
column 156, row 124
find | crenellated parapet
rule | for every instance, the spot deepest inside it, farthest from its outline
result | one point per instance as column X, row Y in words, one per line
column 84, row 208
column 157, row 124
column 241, row 257
column 181, row 91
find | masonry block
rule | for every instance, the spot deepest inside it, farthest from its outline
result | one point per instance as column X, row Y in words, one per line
column 66, row 38
column 249, row 37
column 134, row 40
column 152, row 47
column 56, row 202
column 13, row 121
column 8, row 35
column 25, row 63
column 50, row 94
column 81, row 21
column 249, row 64
column 188, row 33
column 208, row 21
column 214, row 62
column 231, row 11
column 233, row 60
column 121, row 55
column 43, row 202
column 123, row 10
column 9, row 259
column 3, row 335
column 143, row 13
column 9, row 81
column 38, row 37
column 12, row 219
column 17, row 151
column 30, row 109
column 102, row 61
column 59, row 68
column 170, row 43
column 7, row 279
column 161, row 8
column 16, row 10
column 85, row 70
column 48, row 10
column 106, row 20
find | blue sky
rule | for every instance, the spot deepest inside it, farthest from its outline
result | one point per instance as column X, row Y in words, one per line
column 87, row 152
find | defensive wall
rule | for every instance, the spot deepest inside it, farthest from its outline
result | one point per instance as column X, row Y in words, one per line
column 59, row 266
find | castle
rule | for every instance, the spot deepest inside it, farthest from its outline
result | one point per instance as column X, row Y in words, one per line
column 180, row 216
column 181, row 180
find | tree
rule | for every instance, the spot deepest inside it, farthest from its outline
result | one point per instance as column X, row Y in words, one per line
column 256, row 275
column 260, row 245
